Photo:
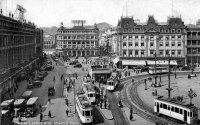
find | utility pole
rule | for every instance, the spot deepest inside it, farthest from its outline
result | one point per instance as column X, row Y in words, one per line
column 0, row 103
column 155, row 71
column 169, row 87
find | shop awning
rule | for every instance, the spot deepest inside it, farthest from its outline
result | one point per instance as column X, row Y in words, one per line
column 133, row 62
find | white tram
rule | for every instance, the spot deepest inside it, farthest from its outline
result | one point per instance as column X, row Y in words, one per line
column 83, row 108
column 113, row 81
column 91, row 91
column 158, row 70
column 177, row 110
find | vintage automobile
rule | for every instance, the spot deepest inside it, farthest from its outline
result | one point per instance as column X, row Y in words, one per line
column 43, row 73
column 26, row 95
column 78, row 65
column 32, row 106
column 34, row 84
column 7, row 108
column 19, row 107
column 51, row 91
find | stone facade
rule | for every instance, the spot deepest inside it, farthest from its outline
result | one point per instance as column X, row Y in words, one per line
column 144, row 40
column 77, row 41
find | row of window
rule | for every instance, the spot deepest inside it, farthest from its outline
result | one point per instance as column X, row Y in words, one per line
column 173, row 44
column 152, row 37
column 15, row 40
column 88, row 42
column 79, row 31
column 193, row 42
column 162, row 30
column 76, row 37
column 161, row 52
column 174, row 109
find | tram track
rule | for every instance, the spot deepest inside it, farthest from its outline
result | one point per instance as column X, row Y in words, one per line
column 131, row 98
column 119, row 118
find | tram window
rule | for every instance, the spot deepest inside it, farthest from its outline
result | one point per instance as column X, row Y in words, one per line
column 83, row 113
column 164, row 106
column 168, row 107
column 172, row 109
column 190, row 114
column 176, row 110
column 161, row 105
column 155, row 103
column 181, row 111
column 87, row 113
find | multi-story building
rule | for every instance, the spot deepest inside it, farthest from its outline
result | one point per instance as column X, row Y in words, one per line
column 49, row 44
column 193, row 45
column 78, row 40
column 143, row 40
column 21, row 45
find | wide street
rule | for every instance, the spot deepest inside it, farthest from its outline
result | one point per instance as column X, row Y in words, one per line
column 57, row 105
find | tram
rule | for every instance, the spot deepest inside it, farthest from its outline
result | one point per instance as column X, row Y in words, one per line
column 177, row 110
column 158, row 70
column 91, row 91
column 113, row 81
column 84, row 109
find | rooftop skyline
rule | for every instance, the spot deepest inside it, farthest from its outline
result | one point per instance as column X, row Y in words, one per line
column 47, row 13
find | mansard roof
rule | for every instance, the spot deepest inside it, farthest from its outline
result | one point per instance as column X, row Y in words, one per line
column 129, row 25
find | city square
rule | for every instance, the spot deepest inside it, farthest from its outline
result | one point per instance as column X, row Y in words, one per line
column 99, row 62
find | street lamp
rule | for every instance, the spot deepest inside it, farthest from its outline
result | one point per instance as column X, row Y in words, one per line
column 155, row 70
column 169, row 89
column 175, row 72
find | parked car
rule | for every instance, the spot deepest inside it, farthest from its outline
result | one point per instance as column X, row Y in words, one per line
column 73, row 62
column 185, row 68
column 78, row 65
column 34, row 84
column 49, row 67
column 51, row 91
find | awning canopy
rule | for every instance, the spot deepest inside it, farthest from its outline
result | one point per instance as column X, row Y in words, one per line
column 133, row 62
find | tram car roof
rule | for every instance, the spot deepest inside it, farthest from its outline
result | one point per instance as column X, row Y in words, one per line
column 89, row 87
column 7, row 102
column 83, row 100
column 101, row 71
column 174, row 102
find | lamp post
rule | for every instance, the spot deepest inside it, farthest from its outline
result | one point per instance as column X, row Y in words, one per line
column 169, row 89
column 155, row 70
column 175, row 72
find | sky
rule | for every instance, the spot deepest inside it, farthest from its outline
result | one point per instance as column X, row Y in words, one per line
column 47, row 13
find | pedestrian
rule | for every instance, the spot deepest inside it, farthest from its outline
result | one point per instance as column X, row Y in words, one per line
column 49, row 114
column 67, row 102
column 40, row 106
column 67, row 112
column 41, row 117
column 20, row 118
column 54, row 79
column 49, row 100
column 76, row 76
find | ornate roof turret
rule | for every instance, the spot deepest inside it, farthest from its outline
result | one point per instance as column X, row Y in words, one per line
column 151, row 21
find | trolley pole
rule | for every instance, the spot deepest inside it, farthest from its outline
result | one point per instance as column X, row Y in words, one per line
column 169, row 86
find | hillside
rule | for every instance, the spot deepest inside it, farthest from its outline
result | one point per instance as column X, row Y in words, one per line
column 104, row 26
column 50, row 30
